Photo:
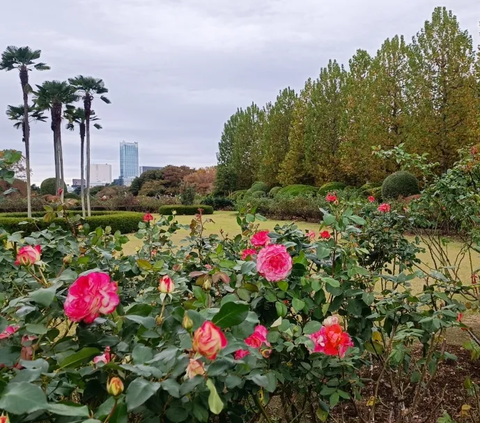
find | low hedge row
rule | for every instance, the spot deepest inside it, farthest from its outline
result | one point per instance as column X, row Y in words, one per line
column 124, row 222
column 185, row 210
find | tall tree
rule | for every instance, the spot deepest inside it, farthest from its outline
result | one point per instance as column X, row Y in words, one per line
column 357, row 162
column 293, row 169
column 246, row 148
column 324, row 124
column 76, row 116
column 442, row 90
column 24, row 59
column 88, row 87
column 274, row 142
column 226, row 181
column 53, row 96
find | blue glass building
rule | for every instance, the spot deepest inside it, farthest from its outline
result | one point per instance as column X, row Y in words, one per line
column 128, row 161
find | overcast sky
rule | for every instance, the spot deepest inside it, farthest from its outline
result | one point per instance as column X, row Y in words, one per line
column 177, row 69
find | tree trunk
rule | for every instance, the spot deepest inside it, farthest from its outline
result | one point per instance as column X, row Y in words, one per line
column 26, row 135
column 55, row 148
column 87, row 103
column 82, row 166
column 57, row 122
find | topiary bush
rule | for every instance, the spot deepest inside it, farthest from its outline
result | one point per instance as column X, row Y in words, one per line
column 258, row 186
column 258, row 194
column 331, row 186
column 274, row 191
column 125, row 222
column 400, row 184
column 296, row 190
column 185, row 210
column 49, row 186
column 238, row 195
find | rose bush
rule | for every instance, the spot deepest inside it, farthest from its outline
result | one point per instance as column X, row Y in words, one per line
column 212, row 329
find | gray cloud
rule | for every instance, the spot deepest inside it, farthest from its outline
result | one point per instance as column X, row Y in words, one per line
column 177, row 69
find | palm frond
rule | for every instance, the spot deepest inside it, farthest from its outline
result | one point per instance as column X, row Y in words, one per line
column 97, row 126
column 41, row 66
column 105, row 99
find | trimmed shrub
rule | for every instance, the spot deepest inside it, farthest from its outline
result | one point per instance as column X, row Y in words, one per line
column 125, row 222
column 238, row 195
column 258, row 186
column 274, row 191
column 258, row 194
column 297, row 190
column 367, row 188
column 398, row 184
column 219, row 203
column 185, row 210
column 49, row 186
column 330, row 187
column 71, row 195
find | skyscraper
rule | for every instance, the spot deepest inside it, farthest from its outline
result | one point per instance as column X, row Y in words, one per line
column 128, row 161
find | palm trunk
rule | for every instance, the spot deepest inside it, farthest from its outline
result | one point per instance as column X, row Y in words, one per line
column 87, row 103
column 26, row 135
column 82, row 166
column 55, row 148
column 56, row 122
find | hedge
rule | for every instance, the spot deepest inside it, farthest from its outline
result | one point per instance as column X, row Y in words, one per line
column 400, row 184
column 124, row 222
column 274, row 191
column 258, row 186
column 330, row 187
column 185, row 210
column 296, row 190
column 219, row 203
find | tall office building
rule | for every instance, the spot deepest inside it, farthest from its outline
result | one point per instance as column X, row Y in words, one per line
column 128, row 162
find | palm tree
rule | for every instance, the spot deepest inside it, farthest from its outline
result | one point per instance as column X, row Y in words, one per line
column 53, row 95
column 76, row 115
column 23, row 59
column 88, row 87
column 16, row 113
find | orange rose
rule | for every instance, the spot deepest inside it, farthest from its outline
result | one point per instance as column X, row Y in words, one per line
column 208, row 340
column 194, row 368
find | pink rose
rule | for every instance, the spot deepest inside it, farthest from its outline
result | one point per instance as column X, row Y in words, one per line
column 331, row 340
column 166, row 285
column 28, row 255
column 260, row 239
column 194, row 368
column 371, row 198
column 103, row 358
column 208, row 340
column 384, row 208
column 249, row 252
column 91, row 295
column 331, row 198
column 147, row 217
column 311, row 235
column 331, row 320
column 274, row 263
column 239, row 354
column 4, row 419
column 258, row 337
column 9, row 331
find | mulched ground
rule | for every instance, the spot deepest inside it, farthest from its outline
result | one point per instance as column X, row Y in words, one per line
column 446, row 393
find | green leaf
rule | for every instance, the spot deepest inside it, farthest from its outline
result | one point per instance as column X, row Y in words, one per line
column 37, row 329
column 148, row 322
column 283, row 285
column 281, row 309
column 22, row 398
column 332, row 282
column 176, row 414
column 312, row 327
column 3, row 324
column 141, row 354
column 298, row 304
column 231, row 314
column 260, row 380
column 68, row 410
column 218, row 367
column 81, row 356
column 272, row 382
column 120, row 415
column 144, row 264
column 139, row 391
column 214, row 402
column 329, row 219
column 43, row 296
column 172, row 387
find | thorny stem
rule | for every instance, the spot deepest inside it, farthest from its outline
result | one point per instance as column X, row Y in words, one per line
column 111, row 412
column 259, row 404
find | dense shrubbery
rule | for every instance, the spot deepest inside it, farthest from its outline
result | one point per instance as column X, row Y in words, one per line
column 400, row 184
column 274, row 191
column 258, row 187
column 219, row 203
column 185, row 210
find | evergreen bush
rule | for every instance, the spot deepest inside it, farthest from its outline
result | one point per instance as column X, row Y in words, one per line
column 398, row 184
